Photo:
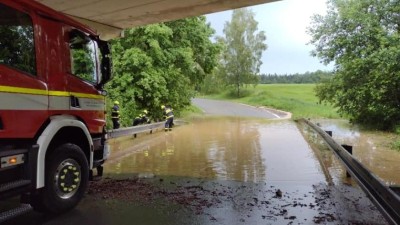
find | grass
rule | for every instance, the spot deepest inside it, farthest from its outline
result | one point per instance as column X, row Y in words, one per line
column 190, row 111
column 396, row 145
column 299, row 99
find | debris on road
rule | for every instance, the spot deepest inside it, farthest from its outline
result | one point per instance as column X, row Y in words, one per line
column 318, row 206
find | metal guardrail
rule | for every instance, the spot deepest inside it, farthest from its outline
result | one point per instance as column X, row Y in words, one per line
column 387, row 199
column 131, row 131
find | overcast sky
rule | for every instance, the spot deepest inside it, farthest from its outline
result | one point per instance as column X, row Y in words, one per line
column 284, row 23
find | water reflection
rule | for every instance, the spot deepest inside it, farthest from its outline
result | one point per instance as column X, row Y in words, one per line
column 222, row 148
column 270, row 155
column 371, row 148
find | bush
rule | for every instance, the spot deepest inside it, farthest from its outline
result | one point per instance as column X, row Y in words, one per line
column 396, row 145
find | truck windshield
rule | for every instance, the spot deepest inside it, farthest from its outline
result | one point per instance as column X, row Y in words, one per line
column 17, row 47
column 83, row 57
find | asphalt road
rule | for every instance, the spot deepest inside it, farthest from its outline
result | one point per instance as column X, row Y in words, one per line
column 225, row 108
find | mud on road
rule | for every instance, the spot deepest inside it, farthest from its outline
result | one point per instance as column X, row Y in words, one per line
column 200, row 201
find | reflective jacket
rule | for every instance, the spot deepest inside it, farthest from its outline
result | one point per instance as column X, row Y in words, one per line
column 115, row 112
column 168, row 112
column 143, row 117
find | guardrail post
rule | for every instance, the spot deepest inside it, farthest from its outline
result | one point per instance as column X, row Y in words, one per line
column 329, row 132
column 349, row 149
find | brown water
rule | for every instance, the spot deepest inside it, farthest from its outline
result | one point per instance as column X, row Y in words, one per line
column 244, row 162
column 219, row 171
column 371, row 148
column 229, row 149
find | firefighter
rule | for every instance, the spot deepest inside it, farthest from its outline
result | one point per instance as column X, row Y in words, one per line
column 141, row 118
column 145, row 117
column 169, row 117
column 115, row 115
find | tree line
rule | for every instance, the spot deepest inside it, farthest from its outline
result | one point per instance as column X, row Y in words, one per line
column 297, row 78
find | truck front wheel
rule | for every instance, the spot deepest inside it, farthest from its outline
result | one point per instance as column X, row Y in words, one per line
column 66, row 180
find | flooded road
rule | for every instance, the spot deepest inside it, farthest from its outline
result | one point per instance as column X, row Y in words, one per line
column 253, row 160
column 218, row 170
column 220, row 148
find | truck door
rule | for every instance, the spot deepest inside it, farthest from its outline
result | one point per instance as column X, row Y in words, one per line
column 82, row 79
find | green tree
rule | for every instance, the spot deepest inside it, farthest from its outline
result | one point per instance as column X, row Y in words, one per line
column 243, row 46
column 197, row 55
column 161, row 64
column 362, row 39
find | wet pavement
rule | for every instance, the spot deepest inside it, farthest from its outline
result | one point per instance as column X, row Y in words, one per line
column 221, row 170
column 217, row 170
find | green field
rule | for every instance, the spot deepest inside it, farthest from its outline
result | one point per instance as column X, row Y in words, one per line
column 299, row 99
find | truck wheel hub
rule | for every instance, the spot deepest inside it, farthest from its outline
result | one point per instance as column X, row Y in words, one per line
column 67, row 178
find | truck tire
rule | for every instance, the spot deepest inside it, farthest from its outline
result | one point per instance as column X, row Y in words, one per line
column 66, row 180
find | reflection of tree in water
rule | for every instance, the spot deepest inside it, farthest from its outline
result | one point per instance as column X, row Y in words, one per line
column 324, row 155
column 243, row 155
column 230, row 147
column 227, row 149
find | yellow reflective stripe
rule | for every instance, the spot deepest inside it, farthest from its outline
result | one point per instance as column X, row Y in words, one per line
column 76, row 94
column 20, row 90
column 83, row 95
column 59, row 93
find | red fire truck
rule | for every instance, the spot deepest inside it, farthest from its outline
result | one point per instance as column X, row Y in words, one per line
column 52, row 105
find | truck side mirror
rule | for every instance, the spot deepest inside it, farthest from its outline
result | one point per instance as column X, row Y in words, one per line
column 77, row 38
column 106, row 62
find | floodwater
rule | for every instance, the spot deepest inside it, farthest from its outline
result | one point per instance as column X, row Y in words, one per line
column 247, row 162
column 371, row 148
column 228, row 149
column 219, row 170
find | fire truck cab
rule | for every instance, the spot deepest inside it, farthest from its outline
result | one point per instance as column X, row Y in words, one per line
column 52, row 105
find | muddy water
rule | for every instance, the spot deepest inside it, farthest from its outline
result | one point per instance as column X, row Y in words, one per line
column 372, row 148
column 228, row 149
column 217, row 171
column 243, row 166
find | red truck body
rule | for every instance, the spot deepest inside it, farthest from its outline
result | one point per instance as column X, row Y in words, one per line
column 52, row 70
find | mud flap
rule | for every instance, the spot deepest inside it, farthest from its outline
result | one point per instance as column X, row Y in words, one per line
column 97, row 177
